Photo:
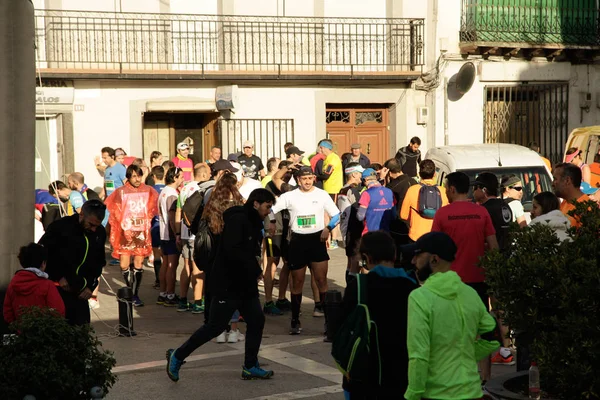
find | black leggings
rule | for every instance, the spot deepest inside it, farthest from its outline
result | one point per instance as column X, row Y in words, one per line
column 221, row 310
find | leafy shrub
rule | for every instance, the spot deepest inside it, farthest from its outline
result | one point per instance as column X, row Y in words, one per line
column 551, row 291
column 51, row 359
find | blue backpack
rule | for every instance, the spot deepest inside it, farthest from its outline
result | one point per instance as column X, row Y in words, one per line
column 430, row 200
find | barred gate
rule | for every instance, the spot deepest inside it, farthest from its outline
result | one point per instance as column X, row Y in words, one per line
column 528, row 113
column 267, row 135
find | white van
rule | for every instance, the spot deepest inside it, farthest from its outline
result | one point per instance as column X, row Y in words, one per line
column 500, row 159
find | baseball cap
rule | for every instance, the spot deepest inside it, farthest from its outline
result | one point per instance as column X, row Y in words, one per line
column 119, row 153
column 183, row 146
column 510, row 180
column 247, row 143
column 232, row 157
column 437, row 243
column 293, row 150
column 486, row 180
column 304, row 171
column 368, row 173
column 586, row 188
column 222, row 165
column 355, row 146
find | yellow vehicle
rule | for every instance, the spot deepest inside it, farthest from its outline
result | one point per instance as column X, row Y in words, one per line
column 587, row 139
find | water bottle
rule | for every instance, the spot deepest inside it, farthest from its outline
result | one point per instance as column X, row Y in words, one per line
column 534, row 382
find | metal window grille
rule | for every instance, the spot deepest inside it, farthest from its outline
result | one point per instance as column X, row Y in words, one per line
column 212, row 43
column 267, row 135
column 528, row 113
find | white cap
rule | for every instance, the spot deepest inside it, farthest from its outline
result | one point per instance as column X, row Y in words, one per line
column 183, row 146
column 247, row 143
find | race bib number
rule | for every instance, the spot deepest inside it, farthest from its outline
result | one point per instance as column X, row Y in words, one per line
column 110, row 187
column 306, row 221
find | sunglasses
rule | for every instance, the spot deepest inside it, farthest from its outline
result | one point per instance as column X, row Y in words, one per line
column 517, row 188
column 475, row 187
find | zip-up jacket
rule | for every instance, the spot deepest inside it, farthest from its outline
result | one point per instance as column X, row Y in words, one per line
column 74, row 254
column 445, row 317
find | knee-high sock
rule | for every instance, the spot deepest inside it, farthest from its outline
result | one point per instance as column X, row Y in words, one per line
column 157, row 265
column 137, row 280
column 127, row 277
column 296, row 302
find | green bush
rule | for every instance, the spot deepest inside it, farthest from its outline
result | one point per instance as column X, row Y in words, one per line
column 51, row 359
column 551, row 291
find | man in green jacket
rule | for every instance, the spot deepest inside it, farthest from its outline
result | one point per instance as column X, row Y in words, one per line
column 449, row 328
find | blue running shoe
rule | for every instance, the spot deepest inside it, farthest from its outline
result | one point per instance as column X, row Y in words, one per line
column 173, row 365
column 256, row 372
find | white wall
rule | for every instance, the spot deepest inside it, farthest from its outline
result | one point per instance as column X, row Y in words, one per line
column 194, row 7
column 355, row 8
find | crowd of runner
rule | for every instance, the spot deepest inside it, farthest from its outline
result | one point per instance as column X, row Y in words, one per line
column 253, row 221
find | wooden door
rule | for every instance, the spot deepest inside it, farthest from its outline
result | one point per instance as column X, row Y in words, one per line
column 362, row 124
column 210, row 135
column 156, row 136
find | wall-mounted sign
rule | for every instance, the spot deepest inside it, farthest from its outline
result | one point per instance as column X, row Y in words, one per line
column 226, row 97
column 54, row 95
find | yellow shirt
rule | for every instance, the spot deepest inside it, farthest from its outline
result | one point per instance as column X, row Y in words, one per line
column 418, row 225
column 266, row 180
column 335, row 182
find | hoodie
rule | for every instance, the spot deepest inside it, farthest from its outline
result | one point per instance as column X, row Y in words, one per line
column 30, row 287
column 409, row 160
column 556, row 220
column 445, row 316
column 236, row 268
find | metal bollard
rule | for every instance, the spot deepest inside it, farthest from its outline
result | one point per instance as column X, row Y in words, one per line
column 333, row 312
column 124, row 297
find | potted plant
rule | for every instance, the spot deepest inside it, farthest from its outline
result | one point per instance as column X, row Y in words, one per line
column 550, row 292
column 50, row 359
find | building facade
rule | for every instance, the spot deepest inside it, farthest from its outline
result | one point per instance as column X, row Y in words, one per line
column 146, row 74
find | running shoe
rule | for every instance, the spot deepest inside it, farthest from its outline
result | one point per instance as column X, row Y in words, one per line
column 271, row 309
column 171, row 302
column 333, row 245
column 161, row 300
column 197, row 308
column 283, row 304
column 183, row 305
column 256, row 372
column 498, row 359
column 137, row 302
column 296, row 328
column 318, row 311
column 235, row 336
column 156, row 285
column 173, row 365
column 222, row 338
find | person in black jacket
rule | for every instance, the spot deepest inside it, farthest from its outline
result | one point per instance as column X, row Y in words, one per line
column 410, row 157
column 388, row 289
column 76, row 257
column 234, row 285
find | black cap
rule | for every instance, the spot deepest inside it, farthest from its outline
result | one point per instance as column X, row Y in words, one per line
column 293, row 150
column 437, row 243
column 232, row 157
column 222, row 165
column 304, row 171
column 486, row 180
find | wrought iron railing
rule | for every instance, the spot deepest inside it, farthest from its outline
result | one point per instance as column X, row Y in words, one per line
column 538, row 22
column 215, row 43
column 267, row 135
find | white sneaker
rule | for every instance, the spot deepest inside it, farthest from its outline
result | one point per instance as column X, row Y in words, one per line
column 94, row 304
column 236, row 336
column 222, row 338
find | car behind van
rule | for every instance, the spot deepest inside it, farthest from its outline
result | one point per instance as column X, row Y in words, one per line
column 499, row 159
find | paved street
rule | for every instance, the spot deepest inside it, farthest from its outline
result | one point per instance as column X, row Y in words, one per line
column 303, row 366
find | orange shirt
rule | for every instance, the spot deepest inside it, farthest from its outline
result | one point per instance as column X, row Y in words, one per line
column 567, row 206
column 595, row 170
column 418, row 225
column 547, row 162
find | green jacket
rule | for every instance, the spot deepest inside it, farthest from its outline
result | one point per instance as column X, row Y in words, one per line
column 445, row 318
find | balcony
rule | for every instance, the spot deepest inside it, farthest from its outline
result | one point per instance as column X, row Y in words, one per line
column 168, row 46
column 531, row 28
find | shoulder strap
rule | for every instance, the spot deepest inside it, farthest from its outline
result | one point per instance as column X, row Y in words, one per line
column 361, row 282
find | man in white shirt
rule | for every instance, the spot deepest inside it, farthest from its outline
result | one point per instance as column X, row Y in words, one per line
column 307, row 207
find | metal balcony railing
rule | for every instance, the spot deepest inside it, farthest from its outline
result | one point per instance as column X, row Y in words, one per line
column 550, row 23
column 215, row 44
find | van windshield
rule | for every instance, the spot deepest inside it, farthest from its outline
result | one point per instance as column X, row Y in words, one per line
column 535, row 180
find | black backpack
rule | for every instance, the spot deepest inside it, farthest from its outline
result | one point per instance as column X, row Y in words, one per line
column 191, row 212
column 355, row 348
column 203, row 246
column 430, row 200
